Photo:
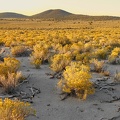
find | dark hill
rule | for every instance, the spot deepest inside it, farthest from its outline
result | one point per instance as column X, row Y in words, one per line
column 11, row 15
column 57, row 13
column 63, row 15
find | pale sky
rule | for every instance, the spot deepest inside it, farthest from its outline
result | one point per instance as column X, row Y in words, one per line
column 88, row 7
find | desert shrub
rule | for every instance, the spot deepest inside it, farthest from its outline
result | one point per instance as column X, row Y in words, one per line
column 87, row 47
column 39, row 55
column 14, row 110
column 97, row 65
column 12, row 63
column 10, row 82
column 101, row 53
column 76, row 80
column 83, row 57
column 9, row 77
column 59, row 62
column 19, row 51
column 117, row 76
column 114, row 58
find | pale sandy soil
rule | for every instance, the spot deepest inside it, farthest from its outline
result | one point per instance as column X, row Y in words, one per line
column 48, row 103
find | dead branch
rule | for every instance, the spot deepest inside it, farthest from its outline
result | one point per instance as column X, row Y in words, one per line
column 115, row 118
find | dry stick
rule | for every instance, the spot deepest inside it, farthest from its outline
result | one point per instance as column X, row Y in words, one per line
column 65, row 97
column 114, row 118
column 33, row 93
column 9, row 96
column 39, row 91
column 34, row 90
column 22, row 82
column 111, row 101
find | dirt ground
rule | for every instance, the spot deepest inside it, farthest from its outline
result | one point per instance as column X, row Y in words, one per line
column 103, row 105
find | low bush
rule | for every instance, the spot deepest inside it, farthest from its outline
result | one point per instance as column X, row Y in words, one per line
column 97, row 65
column 39, row 55
column 15, row 110
column 76, row 80
column 114, row 58
column 59, row 62
column 18, row 51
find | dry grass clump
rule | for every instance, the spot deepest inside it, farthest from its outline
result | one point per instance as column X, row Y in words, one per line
column 39, row 55
column 15, row 110
column 19, row 51
column 9, row 77
column 76, row 80
column 114, row 58
column 117, row 77
column 12, row 63
column 10, row 82
column 97, row 65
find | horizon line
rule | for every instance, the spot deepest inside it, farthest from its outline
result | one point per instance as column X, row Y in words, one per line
column 59, row 9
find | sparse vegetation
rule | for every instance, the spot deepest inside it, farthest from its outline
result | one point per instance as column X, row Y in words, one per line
column 15, row 110
column 74, row 51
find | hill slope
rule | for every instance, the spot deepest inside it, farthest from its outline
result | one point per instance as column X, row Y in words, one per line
column 57, row 13
column 61, row 14
column 11, row 15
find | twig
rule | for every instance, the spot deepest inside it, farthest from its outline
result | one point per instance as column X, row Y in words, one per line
column 24, row 81
column 8, row 96
column 65, row 97
column 111, row 101
column 114, row 118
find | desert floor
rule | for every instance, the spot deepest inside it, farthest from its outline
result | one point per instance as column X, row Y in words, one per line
column 103, row 105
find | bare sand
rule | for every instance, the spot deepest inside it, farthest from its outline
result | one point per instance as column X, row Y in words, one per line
column 48, row 103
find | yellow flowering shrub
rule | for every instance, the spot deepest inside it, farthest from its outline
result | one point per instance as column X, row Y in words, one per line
column 15, row 110
column 76, row 80
column 39, row 55
column 83, row 57
column 19, row 51
column 9, row 77
column 114, row 55
column 59, row 62
column 10, row 82
column 101, row 53
column 97, row 65
column 12, row 63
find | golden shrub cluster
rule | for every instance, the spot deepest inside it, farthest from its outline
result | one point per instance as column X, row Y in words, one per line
column 9, row 76
column 14, row 110
column 76, row 80
column 114, row 58
column 59, row 62
column 19, row 51
column 40, row 54
column 97, row 65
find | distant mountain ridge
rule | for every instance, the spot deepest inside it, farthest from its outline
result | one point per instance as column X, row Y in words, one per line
column 58, row 14
column 12, row 15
